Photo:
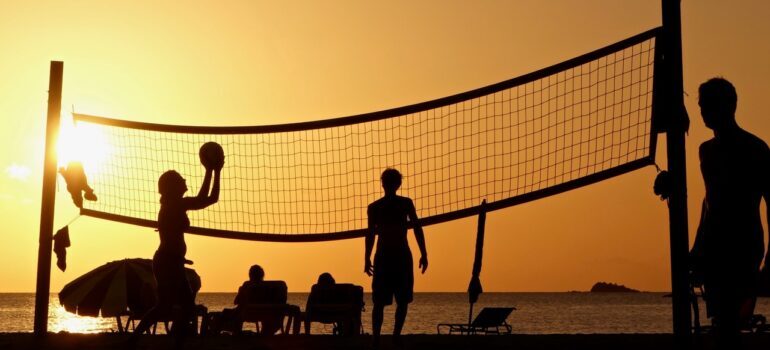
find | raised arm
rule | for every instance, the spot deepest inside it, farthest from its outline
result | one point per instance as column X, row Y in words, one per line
column 369, row 243
column 204, row 199
column 204, row 191
column 419, row 236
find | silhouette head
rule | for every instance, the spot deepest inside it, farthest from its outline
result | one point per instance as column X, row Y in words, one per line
column 391, row 180
column 256, row 273
column 717, row 100
column 325, row 279
column 171, row 184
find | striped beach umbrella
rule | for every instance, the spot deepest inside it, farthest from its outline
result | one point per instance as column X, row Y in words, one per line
column 116, row 288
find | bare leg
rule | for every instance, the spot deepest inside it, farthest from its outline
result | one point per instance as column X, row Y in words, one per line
column 377, row 315
column 183, row 316
column 147, row 321
column 728, row 329
column 181, row 326
column 401, row 310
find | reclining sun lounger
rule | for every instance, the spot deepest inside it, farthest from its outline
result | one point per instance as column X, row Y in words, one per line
column 339, row 304
column 491, row 320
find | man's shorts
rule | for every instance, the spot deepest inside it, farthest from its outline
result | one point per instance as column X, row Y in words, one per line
column 393, row 277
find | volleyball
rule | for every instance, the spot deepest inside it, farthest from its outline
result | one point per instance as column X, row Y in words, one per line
column 212, row 155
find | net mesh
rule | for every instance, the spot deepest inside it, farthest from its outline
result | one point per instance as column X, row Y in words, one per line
column 502, row 143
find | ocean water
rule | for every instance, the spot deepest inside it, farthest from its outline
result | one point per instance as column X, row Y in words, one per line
column 537, row 313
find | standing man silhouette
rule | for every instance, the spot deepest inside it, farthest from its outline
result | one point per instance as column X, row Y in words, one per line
column 729, row 243
column 389, row 219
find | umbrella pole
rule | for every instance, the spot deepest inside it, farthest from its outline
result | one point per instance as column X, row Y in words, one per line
column 470, row 315
column 474, row 287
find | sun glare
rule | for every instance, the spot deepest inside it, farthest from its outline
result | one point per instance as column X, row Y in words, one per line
column 82, row 142
column 60, row 320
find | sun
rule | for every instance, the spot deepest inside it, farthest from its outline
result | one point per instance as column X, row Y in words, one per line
column 83, row 143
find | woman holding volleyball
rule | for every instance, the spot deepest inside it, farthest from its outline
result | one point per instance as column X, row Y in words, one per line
column 174, row 296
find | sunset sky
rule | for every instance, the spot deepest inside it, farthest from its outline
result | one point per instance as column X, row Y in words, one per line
column 258, row 62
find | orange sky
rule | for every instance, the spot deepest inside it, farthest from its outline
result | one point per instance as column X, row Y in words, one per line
column 250, row 63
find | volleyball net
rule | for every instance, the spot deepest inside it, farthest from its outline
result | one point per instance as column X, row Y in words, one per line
column 569, row 125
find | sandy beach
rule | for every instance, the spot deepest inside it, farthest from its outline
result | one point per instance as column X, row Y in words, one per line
column 520, row 342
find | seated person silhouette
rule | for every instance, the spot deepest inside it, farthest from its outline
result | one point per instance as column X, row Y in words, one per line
column 247, row 291
column 338, row 303
column 729, row 245
column 325, row 280
column 263, row 301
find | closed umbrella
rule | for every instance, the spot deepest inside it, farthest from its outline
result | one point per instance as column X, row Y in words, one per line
column 115, row 288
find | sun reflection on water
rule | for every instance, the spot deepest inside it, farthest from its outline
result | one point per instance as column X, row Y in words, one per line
column 59, row 320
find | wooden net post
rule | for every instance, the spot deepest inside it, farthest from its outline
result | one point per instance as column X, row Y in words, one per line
column 677, row 126
column 42, row 290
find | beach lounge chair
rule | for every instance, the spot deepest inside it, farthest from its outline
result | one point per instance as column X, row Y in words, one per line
column 751, row 322
column 145, row 301
column 491, row 320
column 200, row 311
column 338, row 304
column 268, row 309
